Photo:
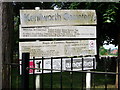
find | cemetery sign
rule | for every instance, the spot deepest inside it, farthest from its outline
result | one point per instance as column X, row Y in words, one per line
column 57, row 17
column 58, row 32
column 58, row 48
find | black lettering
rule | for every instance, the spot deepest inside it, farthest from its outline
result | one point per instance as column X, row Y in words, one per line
column 38, row 64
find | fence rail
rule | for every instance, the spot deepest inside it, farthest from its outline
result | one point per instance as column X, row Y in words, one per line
column 102, row 76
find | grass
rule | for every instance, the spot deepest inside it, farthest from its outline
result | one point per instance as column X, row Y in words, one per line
column 110, row 86
column 68, row 81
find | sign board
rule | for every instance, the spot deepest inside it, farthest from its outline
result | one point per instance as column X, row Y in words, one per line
column 58, row 48
column 88, row 64
column 57, row 17
column 58, row 32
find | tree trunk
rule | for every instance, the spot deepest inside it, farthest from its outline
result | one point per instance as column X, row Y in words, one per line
column 6, row 28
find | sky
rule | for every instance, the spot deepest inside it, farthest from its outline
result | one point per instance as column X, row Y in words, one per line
column 110, row 46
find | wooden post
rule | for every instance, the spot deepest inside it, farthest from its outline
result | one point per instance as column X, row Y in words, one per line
column 118, row 66
column 6, row 28
column 118, row 40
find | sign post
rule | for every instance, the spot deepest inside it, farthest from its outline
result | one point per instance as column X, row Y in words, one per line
column 88, row 80
column 38, row 78
column 25, row 71
column 37, row 81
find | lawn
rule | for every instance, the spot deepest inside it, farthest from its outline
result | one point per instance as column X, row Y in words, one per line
column 74, row 80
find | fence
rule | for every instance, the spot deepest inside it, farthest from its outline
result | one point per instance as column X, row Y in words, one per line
column 103, row 74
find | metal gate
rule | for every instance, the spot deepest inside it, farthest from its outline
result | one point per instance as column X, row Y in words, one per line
column 24, row 76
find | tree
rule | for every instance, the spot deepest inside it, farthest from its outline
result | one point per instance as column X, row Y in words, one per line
column 107, row 17
column 103, row 51
column 107, row 22
column 6, row 33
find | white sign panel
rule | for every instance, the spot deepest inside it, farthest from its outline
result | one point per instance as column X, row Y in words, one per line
column 57, row 17
column 77, row 65
column 58, row 32
column 88, row 64
column 58, row 48
column 56, row 65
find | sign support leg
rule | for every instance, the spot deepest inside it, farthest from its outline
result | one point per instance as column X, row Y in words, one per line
column 88, row 81
column 37, row 82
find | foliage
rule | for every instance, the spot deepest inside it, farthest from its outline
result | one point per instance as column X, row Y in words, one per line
column 107, row 15
column 103, row 51
column 107, row 19
column 16, row 32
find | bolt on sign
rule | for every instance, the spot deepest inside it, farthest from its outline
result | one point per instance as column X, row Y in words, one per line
column 57, row 17
column 58, row 32
column 58, row 48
